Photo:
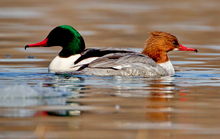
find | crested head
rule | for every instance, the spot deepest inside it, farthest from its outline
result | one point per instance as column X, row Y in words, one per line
column 64, row 36
column 160, row 43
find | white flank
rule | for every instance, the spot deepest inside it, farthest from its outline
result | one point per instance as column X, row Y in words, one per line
column 168, row 67
column 121, row 66
column 59, row 64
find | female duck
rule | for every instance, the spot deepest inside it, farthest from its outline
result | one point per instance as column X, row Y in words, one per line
column 152, row 62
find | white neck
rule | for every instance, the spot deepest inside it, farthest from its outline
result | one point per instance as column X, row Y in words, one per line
column 59, row 64
column 168, row 67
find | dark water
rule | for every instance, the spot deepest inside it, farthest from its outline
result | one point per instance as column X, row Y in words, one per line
column 36, row 104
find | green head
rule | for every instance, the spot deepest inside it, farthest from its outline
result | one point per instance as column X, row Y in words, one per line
column 65, row 36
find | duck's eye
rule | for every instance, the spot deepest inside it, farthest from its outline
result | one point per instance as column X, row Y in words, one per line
column 175, row 43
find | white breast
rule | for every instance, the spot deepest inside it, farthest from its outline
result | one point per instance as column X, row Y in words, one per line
column 168, row 67
column 59, row 64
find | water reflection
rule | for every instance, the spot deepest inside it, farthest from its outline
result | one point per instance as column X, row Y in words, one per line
column 123, row 103
column 158, row 103
column 21, row 100
column 57, row 91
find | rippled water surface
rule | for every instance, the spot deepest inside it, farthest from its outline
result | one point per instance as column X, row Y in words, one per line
column 36, row 104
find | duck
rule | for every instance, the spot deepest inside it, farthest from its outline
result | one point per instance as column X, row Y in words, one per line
column 75, row 59
column 152, row 62
column 73, row 53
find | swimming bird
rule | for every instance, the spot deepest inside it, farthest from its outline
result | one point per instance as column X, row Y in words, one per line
column 73, row 54
column 153, row 61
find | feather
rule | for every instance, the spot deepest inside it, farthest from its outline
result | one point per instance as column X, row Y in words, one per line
column 123, row 64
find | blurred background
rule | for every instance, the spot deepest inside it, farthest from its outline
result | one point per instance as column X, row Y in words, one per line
column 104, row 23
column 108, row 23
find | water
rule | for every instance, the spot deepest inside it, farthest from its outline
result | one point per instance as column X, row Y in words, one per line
column 36, row 104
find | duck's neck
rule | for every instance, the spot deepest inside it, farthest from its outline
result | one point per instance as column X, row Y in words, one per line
column 168, row 67
column 160, row 57
column 75, row 46
column 157, row 55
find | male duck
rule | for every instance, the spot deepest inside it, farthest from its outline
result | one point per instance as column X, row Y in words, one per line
column 75, row 59
column 73, row 54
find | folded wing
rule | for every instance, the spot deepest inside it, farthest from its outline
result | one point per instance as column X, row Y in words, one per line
column 123, row 64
